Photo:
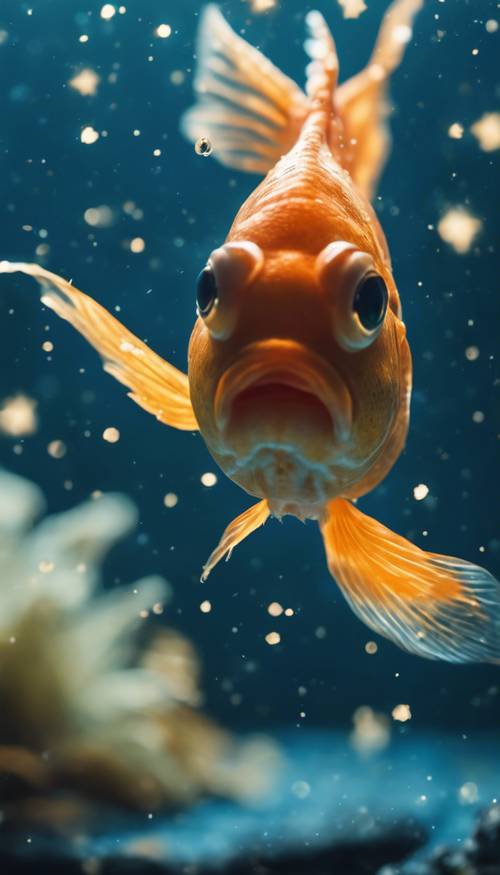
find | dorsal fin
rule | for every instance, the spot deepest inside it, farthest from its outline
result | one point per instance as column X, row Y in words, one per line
column 249, row 110
column 323, row 70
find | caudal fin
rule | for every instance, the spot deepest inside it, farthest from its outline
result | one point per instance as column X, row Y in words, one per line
column 154, row 384
column 362, row 100
column 431, row 605
column 249, row 110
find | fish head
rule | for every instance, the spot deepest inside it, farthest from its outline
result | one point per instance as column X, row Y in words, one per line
column 295, row 367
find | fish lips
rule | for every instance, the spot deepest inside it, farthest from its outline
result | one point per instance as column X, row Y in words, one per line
column 290, row 376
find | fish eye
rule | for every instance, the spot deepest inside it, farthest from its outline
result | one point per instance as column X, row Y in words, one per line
column 357, row 294
column 370, row 301
column 206, row 291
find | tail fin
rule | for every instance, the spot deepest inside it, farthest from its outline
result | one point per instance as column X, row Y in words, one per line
column 431, row 605
column 250, row 111
column 362, row 103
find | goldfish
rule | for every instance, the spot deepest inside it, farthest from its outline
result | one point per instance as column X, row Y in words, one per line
column 299, row 370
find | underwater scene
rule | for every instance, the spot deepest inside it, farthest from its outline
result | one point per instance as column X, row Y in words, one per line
column 269, row 228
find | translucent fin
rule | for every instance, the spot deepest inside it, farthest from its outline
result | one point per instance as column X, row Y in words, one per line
column 361, row 101
column 155, row 385
column 431, row 605
column 237, row 531
column 250, row 111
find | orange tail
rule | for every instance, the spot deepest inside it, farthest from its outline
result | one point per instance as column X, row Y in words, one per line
column 431, row 605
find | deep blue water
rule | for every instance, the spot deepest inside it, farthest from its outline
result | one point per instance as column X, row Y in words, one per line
column 49, row 178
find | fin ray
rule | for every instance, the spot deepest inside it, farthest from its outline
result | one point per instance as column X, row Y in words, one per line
column 155, row 385
column 361, row 100
column 238, row 87
column 237, row 531
column 431, row 605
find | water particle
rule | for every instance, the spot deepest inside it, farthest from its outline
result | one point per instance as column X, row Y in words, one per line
column 206, row 607
column 371, row 647
column 273, row 638
column 420, row 492
column 157, row 153
column 478, row 416
column 107, row 11
column 137, row 245
column 111, row 435
column 203, row 147
column 301, row 789
column 472, row 353
column 289, row 612
column 208, row 479
column 352, row 8
column 459, row 229
column 402, row 713
column 372, row 731
column 47, row 346
column 163, row 31
column 468, row 793
column 86, row 82
column 491, row 25
column 83, row 38
column 487, row 131
column 275, row 609
column 158, row 608
column 57, row 449
column 89, row 135
column 45, row 566
column 177, row 77
column 99, row 217
column 170, row 499
column 320, row 632
column 17, row 416
column 456, row 131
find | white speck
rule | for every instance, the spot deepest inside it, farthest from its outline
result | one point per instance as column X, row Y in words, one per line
column 86, row 82
column 107, row 11
column 301, row 789
column 209, row 479
column 456, row 131
column 137, row 245
column 89, row 135
column 468, row 793
column 472, row 353
column 57, row 449
column 420, row 492
column 459, row 228
column 163, row 31
column 275, row 609
column 402, row 713
column 478, row 416
column 17, row 416
column 273, row 638
column 206, row 607
column 491, row 25
column 111, row 435
column 170, row 499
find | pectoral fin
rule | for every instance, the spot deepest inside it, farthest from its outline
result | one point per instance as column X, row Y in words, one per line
column 237, row 531
column 431, row 605
column 155, row 385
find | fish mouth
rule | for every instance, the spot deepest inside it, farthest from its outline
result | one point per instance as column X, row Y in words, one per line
column 284, row 393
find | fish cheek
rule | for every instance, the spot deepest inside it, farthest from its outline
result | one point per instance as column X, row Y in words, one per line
column 375, row 388
column 205, row 367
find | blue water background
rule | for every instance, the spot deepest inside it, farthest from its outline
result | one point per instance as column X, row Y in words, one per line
column 48, row 178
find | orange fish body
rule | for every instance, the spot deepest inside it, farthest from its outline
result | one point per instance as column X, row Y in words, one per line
column 299, row 374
